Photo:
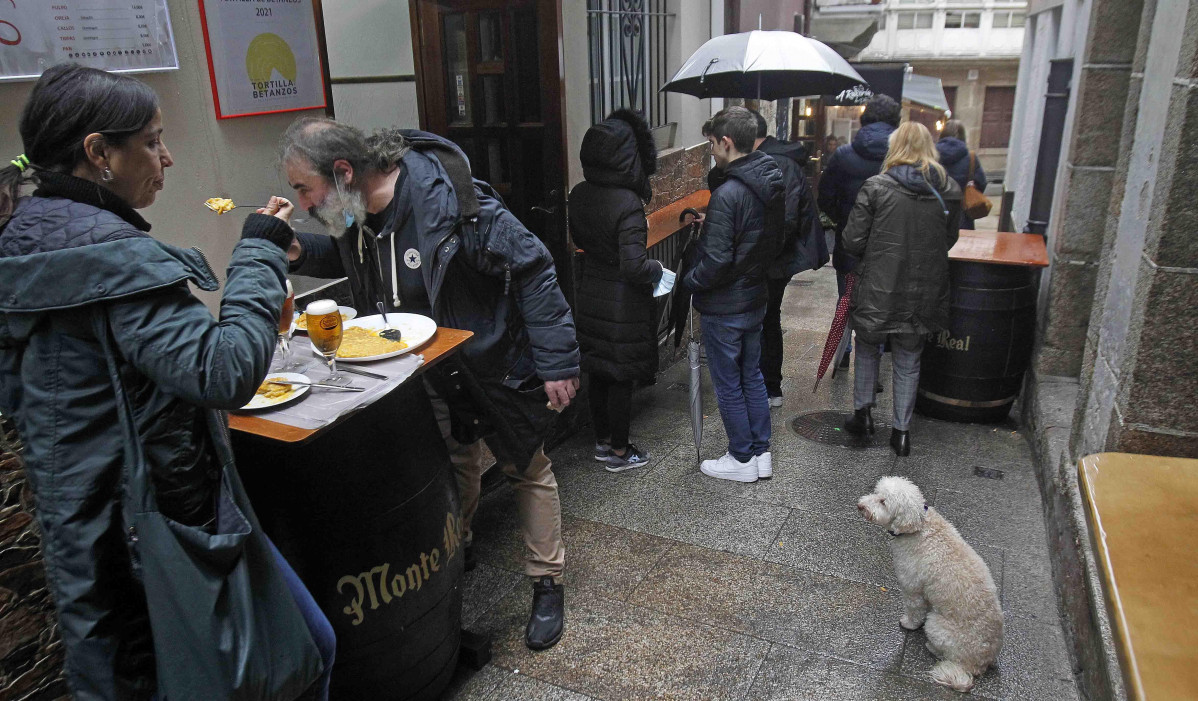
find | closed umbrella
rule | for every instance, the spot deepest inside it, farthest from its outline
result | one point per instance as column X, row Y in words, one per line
column 838, row 335
column 763, row 65
column 696, row 385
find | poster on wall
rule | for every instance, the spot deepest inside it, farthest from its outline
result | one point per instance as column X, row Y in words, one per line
column 115, row 35
column 263, row 56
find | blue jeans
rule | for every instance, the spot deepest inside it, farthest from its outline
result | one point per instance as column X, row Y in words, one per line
column 318, row 626
column 734, row 360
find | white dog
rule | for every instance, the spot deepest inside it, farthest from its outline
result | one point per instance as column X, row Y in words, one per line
column 947, row 588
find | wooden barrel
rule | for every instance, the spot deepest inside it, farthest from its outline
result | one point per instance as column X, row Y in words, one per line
column 973, row 372
column 368, row 515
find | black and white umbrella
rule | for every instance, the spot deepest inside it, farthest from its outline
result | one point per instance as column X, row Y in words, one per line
column 763, row 65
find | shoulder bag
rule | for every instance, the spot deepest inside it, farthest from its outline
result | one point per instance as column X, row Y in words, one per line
column 974, row 203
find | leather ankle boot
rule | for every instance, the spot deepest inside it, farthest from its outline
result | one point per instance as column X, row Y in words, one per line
column 548, row 617
column 860, row 423
column 901, row 442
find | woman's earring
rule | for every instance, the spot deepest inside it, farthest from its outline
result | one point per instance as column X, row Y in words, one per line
column 106, row 174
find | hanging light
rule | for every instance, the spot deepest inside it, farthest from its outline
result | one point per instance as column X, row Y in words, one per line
column 808, row 111
column 939, row 125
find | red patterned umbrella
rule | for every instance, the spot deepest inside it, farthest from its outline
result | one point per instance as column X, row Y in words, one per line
column 836, row 344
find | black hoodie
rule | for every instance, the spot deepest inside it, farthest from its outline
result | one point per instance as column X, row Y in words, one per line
column 741, row 236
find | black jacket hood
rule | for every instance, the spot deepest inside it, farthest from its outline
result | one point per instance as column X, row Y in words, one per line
column 872, row 141
column 951, row 150
column 619, row 152
column 911, row 178
column 796, row 152
column 760, row 174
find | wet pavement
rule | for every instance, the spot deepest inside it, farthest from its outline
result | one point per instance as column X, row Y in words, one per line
column 680, row 586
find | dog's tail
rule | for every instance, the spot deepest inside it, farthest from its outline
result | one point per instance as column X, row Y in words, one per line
column 952, row 675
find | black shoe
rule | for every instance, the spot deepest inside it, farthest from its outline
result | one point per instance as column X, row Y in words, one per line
column 860, row 423
column 548, row 614
column 470, row 560
column 844, row 360
column 901, row 442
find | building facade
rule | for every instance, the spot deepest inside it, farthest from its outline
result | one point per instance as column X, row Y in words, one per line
column 973, row 47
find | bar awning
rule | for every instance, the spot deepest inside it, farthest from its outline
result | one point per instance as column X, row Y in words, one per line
column 925, row 90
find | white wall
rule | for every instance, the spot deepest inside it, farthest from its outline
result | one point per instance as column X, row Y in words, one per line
column 232, row 157
column 371, row 38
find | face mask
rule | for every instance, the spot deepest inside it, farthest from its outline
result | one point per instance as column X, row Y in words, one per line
column 345, row 211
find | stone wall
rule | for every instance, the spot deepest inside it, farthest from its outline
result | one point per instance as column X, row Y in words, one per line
column 30, row 650
column 680, row 171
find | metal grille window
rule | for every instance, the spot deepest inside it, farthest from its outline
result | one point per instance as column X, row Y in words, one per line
column 628, row 40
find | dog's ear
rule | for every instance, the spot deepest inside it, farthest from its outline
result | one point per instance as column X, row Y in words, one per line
column 905, row 503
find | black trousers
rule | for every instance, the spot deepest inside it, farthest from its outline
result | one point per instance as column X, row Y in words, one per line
column 611, row 409
column 771, row 338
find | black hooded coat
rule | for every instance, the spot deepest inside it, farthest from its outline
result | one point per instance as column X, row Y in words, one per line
column 614, row 308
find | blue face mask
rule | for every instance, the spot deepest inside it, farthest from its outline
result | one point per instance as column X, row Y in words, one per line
column 349, row 215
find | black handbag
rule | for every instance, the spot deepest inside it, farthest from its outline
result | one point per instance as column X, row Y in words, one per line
column 224, row 623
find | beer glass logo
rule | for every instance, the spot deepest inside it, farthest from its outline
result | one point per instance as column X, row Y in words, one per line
column 269, row 54
column 329, row 322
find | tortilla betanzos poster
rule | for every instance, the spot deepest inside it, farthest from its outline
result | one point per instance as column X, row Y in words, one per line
column 263, row 56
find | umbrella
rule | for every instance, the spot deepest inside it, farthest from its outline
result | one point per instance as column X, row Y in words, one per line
column 767, row 65
column 680, row 303
column 696, row 386
column 838, row 336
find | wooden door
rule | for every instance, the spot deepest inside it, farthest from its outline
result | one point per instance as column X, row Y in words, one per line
column 489, row 78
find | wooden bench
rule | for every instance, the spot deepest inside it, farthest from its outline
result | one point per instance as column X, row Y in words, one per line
column 1143, row 517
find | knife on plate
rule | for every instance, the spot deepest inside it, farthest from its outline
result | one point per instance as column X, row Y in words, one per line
column 356, row 371
column 344, row 388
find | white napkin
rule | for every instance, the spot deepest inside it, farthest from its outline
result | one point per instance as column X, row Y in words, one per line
column 666, row 283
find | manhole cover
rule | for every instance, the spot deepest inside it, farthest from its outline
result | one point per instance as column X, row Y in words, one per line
column 827, row 427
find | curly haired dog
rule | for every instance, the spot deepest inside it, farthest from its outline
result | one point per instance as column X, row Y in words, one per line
column 947, row 588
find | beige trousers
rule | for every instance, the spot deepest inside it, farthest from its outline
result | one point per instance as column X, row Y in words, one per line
column 536, row 496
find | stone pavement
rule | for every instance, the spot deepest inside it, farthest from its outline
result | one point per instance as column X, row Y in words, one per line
column 680, row 586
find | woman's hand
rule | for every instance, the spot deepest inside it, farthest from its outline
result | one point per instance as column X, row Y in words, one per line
column 279, row 207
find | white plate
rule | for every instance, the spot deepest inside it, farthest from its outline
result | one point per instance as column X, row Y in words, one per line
column 347, row 313
column 416, row 330
column 260, row 402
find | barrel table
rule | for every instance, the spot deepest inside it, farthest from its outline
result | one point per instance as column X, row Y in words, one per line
column 973, row 371
column 366, row 511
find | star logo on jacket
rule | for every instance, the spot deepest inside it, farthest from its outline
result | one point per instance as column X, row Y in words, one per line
column 411, row 258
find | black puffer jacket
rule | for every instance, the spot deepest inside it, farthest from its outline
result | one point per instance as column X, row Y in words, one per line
column 902, row 234
column 804, row 247
column 741, row 236
column 614, row 310
column 954, row 156
column 851, row 165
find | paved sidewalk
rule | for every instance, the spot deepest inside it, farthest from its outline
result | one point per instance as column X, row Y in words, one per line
column 680, row 586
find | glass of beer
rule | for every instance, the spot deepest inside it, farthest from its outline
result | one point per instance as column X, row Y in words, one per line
column 286, row 355
column 324, row 330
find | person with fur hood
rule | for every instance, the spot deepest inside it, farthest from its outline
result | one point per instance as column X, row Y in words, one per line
column 617, row 328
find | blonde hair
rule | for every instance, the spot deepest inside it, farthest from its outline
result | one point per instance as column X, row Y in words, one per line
column 911, row 144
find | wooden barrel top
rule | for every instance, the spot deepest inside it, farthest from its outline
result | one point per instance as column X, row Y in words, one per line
column 1143, row 513
column 1000, row 248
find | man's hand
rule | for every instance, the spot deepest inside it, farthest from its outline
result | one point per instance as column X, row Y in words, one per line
column 279, row 207
column 561, row 392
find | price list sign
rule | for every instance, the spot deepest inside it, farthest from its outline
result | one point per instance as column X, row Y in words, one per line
column 115, row 35
column 263, row 56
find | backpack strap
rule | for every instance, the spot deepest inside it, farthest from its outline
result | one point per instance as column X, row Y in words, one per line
column 973, row 164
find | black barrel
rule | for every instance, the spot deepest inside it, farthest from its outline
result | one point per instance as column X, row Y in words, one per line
column 368, row 515
column 974, row 371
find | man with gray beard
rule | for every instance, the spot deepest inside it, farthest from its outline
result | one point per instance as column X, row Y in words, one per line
column 410, row 228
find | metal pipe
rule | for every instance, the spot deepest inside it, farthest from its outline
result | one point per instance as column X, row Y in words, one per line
column 1052, row 131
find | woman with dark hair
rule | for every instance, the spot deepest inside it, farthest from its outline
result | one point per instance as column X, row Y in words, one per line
column 961, row 163
column 617, row 329
column 98, row 323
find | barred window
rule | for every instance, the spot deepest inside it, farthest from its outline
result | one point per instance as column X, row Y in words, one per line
column 628, row 54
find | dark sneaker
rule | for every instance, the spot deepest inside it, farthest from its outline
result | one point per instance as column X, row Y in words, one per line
column 634, row 457
column 548, row 618
column 602, row 451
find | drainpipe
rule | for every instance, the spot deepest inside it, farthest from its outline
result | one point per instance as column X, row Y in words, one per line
column 1052, row 131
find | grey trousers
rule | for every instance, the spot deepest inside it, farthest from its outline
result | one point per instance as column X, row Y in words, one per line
column 905, row 350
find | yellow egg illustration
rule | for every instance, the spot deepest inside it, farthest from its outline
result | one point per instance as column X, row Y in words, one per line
column 268, row 53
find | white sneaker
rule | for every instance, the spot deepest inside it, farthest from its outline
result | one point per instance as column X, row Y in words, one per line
column 765, row 465
column 775, row 402
column 729, row 468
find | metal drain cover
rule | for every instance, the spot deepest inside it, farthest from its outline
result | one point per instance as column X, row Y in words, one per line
column 827, row 427
column 801, row 283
